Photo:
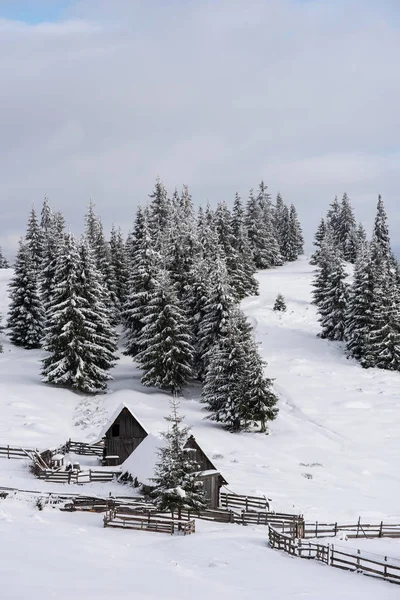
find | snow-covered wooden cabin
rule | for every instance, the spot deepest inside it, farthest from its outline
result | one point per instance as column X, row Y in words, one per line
column 137, row 449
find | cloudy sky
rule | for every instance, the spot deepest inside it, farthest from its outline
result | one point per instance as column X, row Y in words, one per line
column 98, row 97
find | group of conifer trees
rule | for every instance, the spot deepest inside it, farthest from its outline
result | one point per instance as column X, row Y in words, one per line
column 174, row 285
column 366, row 314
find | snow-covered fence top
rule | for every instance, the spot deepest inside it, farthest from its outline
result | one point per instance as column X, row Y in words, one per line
column 334, row 556
column 357, row 530
column 16, row 452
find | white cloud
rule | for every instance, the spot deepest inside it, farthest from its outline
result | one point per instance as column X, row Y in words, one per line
column 214, row 94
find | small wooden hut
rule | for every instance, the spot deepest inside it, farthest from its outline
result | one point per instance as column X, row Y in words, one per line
column 124, row 433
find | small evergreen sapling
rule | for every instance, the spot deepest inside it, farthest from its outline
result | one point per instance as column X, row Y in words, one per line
column 176, row 484
column 280, row 304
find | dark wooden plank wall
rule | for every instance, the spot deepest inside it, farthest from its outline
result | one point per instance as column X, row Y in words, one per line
column 131, row 434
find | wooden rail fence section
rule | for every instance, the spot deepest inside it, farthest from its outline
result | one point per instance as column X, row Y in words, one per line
column 90, row 476
column 151, row 522
column 82, row 448
column 358, row 530
column 341, row 558
column 16, row 452
column 247, row 503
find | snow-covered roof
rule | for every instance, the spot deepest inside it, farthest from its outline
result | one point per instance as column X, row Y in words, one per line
column 141, row 463
column 114, row 416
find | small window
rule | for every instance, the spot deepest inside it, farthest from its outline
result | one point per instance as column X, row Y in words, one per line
column 115, row 430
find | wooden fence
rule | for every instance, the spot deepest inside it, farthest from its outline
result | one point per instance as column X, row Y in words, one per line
column 90, row 476
column 358, row 530
column 247, row 503
column 341, row 558
column 82, row 448
column 16, row 452
column 149, row 522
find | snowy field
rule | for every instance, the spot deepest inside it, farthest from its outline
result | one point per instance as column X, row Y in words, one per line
column 332, row 455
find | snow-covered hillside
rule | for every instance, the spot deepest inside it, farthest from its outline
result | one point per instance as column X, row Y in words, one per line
column 331, row 454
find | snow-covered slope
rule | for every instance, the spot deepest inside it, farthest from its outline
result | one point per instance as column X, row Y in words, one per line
column 331, row 454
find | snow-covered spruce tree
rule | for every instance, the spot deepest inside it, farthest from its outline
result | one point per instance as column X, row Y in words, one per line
column 332, row 221
column 135, row 236
column 75, row 338
column 285, row 234
column 347, row 231
column 217, row 307
column 360, row 300
column 332, row 308
column 46, row 216
column 180, row 241
column 159, row 214
column 295, row 241
column 271, row 244
column 235, row 390
column 245, row 282
column 280, row 304
column 53, row 236
column 381, row 237
column 144, row 268
column 166, row 352
column 119, row 264
column 176, row 485
column 26, row 313
column 318, row 239
column 383, row 295
column 257, row 234
column 361, row 238
column 34, row 240
column 385, row 342
column 279, row 222
column 325, row 256
column 4, row 264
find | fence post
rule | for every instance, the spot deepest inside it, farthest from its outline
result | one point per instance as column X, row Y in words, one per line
column 380, row 529
column 8, row 452
column 335, row 531
column 385, row 568
column 358, row 558
column 358, row 526
column 90, row 475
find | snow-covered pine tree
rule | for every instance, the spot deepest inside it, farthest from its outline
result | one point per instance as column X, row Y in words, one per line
column 144, row 268
column 271, row 243
column 361, row 238
column 75, row 331
column 325, row 256
column 53, row 237
column 119, row 264
column 318, row 239
column 258, row 234
column 166, row 352
column 46, row 216
column 285, row 234
column 332, row 221
column 4, row 264
column 385, row 342
column 358, row 314
column 235, row 390
column 280, row 304
column 245, row 284
column 180, row 241
column 26, row 313
column 295, row 244
column 217, row 307
column 159, row 214
column 34, row 240
column 381, row 235
column 176, row 486
column 347, row 231
column 332, row 308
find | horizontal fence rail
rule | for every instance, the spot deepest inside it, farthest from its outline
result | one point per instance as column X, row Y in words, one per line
column 83, row 448
column 341, row 558
column 156, row 522
column 16, row 452
column 248, row 503
column 80, row 477
column 357, row 530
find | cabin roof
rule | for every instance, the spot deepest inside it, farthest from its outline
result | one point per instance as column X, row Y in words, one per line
column 114, row 417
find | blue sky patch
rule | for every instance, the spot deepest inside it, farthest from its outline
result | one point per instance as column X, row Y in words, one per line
column 34, row 11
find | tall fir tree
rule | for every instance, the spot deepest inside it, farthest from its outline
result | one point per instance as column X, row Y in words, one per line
column 76, row 331
column 333, row 305
column 347, row 231
column 26, row 313
column 245, row 282
column 381, row 235
column 34, row 240
column 166, row 355
column 159, row 214
column 333, row 221
column 176, row 485
column 318, row 239
column 235, row 390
